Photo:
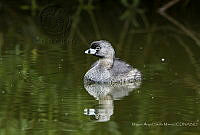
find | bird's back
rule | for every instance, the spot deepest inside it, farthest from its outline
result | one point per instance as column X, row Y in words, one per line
column 120, row 67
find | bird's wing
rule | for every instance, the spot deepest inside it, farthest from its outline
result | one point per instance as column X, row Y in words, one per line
column 121, row 67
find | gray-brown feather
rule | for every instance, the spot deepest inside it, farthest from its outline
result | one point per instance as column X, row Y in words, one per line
column 119, row 67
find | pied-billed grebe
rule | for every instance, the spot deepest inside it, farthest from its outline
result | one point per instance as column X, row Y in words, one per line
column 109, row 69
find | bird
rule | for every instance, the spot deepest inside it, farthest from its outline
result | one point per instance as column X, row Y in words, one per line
column 109, row 69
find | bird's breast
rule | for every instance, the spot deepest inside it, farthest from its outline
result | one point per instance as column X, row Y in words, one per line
column 97, row 74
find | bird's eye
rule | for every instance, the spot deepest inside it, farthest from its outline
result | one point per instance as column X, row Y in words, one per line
column 98, row 48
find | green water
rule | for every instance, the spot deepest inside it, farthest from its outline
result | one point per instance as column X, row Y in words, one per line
column 42, row 90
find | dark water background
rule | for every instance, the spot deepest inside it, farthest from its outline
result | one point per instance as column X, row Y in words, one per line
column 42, row 69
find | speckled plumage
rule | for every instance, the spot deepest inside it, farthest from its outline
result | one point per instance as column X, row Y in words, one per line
column 109, row 69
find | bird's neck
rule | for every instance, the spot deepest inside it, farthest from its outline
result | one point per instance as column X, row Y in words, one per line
column 106, row 63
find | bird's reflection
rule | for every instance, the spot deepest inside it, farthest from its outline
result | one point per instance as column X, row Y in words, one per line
column 106, row 94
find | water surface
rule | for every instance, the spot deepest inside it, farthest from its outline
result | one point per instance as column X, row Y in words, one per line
column 42, row 90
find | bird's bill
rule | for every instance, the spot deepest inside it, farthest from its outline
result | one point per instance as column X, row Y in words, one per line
column 91, row 51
